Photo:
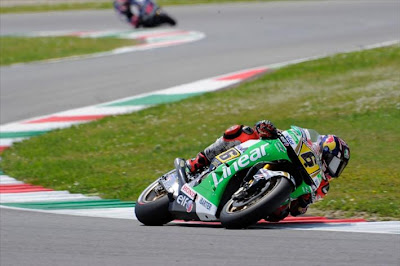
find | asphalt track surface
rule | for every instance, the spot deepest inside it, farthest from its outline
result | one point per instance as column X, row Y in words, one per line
column 237, row 36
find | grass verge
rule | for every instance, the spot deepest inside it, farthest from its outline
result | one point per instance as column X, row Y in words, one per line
column 55, row 7
column 355, row 96
column 105, row 5
column 26, row 49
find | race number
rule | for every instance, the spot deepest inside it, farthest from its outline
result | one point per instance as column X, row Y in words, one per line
column 228, row 155
column 307, row 158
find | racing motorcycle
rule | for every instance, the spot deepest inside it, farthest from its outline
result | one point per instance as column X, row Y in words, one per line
column 240, row 187
column 150, row 14
column 154, row 16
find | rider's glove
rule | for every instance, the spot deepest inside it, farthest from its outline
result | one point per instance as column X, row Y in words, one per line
column 266, row 129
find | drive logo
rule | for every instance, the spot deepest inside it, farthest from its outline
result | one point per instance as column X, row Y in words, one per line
column 188, row 191
column 185, row 202
column 242, row 162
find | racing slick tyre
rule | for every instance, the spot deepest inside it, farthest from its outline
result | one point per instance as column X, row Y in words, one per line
column 152, row 206
column 242, row 213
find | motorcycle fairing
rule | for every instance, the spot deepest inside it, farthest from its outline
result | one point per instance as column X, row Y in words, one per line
column 300, row 141
column 211, row 189
column 192, row 201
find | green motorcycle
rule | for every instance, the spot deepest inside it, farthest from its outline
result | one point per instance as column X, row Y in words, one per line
column 240, row 187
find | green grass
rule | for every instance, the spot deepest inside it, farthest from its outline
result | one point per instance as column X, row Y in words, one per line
column 27, row 49
column 55, row 7
column 355, row 96
column 105, row 5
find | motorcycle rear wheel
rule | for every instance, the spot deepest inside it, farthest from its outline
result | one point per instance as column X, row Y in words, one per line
column 152, row 207
column 233, row 217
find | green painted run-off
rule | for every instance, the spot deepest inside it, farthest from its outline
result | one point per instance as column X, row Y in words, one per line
column 154, row 99
column 21, row 134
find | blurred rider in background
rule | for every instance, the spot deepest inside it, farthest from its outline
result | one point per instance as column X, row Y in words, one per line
column 135, row 10
column 333, row 154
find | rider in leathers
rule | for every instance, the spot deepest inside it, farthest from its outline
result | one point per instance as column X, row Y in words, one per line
column 333, row 153
column 137, row 16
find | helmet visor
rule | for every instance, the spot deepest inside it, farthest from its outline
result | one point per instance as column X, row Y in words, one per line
column 336, row 166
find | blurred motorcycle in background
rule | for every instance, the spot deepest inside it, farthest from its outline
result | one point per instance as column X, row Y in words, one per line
column 143, row 13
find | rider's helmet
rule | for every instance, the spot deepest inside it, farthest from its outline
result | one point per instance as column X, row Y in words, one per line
column 335, row 154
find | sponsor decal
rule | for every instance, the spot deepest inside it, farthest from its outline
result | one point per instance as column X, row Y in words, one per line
column 188, row 192
column 346, row 154
column 205, row 203
column 293, row 139
column 279, row 146
column 189, row 206
column 240, row 163
column 317, row 181
column 284, row 141
column 290, row 140
column 330, row 143
column 185, row 202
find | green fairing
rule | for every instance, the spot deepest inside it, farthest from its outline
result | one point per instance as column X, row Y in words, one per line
column 213, row 186
column 301, row 190
column 296, row 133
column 262, row 150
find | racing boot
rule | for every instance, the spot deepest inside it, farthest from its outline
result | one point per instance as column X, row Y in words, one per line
column 300, row 205
column 197, row 164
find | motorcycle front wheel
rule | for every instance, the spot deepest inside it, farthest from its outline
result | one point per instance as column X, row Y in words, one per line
column 152, row 206
column 238, row 214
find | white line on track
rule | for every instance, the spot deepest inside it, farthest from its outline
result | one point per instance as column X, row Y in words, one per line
column 389, row 227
